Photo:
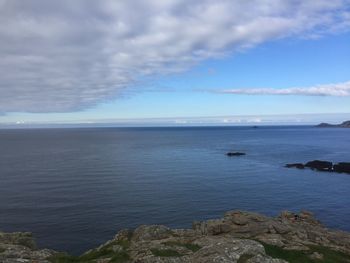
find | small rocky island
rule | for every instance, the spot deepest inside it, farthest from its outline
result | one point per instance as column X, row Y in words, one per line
column 237, row 237
column 345, row 124
column 323, row 166
column 230, row 154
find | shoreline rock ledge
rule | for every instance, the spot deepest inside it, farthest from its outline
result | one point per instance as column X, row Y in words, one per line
column 237, row 237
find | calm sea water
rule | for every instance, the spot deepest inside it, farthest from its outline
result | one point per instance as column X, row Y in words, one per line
column 75, row 188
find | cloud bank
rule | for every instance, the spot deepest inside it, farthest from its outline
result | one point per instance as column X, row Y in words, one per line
column 61, row 56
column 339, row 90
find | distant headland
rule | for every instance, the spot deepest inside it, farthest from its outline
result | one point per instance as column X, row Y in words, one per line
column 345, row 124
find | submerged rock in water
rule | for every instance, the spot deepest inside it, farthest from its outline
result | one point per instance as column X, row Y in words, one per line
column 235, row 154
column 237, row 237
column 296, row 165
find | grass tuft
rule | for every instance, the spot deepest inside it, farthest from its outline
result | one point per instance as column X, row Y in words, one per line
column 93, row 255
column 244, row 258
column 296, row 256
column 165, row 253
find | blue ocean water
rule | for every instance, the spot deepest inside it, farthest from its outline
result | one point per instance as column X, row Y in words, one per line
column 75, row 188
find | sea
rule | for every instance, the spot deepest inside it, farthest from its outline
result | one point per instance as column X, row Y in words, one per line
column 75, row 188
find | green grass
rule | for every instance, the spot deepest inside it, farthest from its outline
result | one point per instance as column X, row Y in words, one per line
column 105, row 252
column 331, row 255
column 165, row 253
column 190, row 246
column 63, row 258
column 120, row 257
column 296, row 256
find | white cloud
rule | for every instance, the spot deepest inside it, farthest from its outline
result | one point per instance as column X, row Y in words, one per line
column 338, row 89
column 67, row 55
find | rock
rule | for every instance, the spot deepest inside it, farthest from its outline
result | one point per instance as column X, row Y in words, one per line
column 18, row 238
column 217, row 227
column 123, row 235
column 236, row 217
column 295, row 165
column 212, row 227
column 235, row 154
column 320, row 165
column 316, row 256
column 225, row 249
column 342, row 168
column 153, row 232
column 20, row 247
column 265, row 259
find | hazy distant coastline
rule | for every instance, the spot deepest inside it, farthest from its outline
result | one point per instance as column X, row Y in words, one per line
column 345, row 124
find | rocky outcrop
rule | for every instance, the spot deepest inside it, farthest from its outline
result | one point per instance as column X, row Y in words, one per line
column 237, row 237
column 20, row 247
column 345, row 124
column 324, row 166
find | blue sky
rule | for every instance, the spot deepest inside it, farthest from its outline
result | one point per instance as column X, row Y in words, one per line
column 309, row 67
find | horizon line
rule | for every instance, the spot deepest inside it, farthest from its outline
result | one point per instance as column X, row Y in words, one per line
column 227, row 120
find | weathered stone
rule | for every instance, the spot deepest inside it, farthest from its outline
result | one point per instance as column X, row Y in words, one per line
column 18, row 238
column 265, row 259
column 153, row 232
column 123, row 234
column 236, row 217
column 216, row 227
column 225, row 249
column 316, row 256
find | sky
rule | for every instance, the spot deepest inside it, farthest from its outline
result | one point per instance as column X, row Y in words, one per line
column 174, row 62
